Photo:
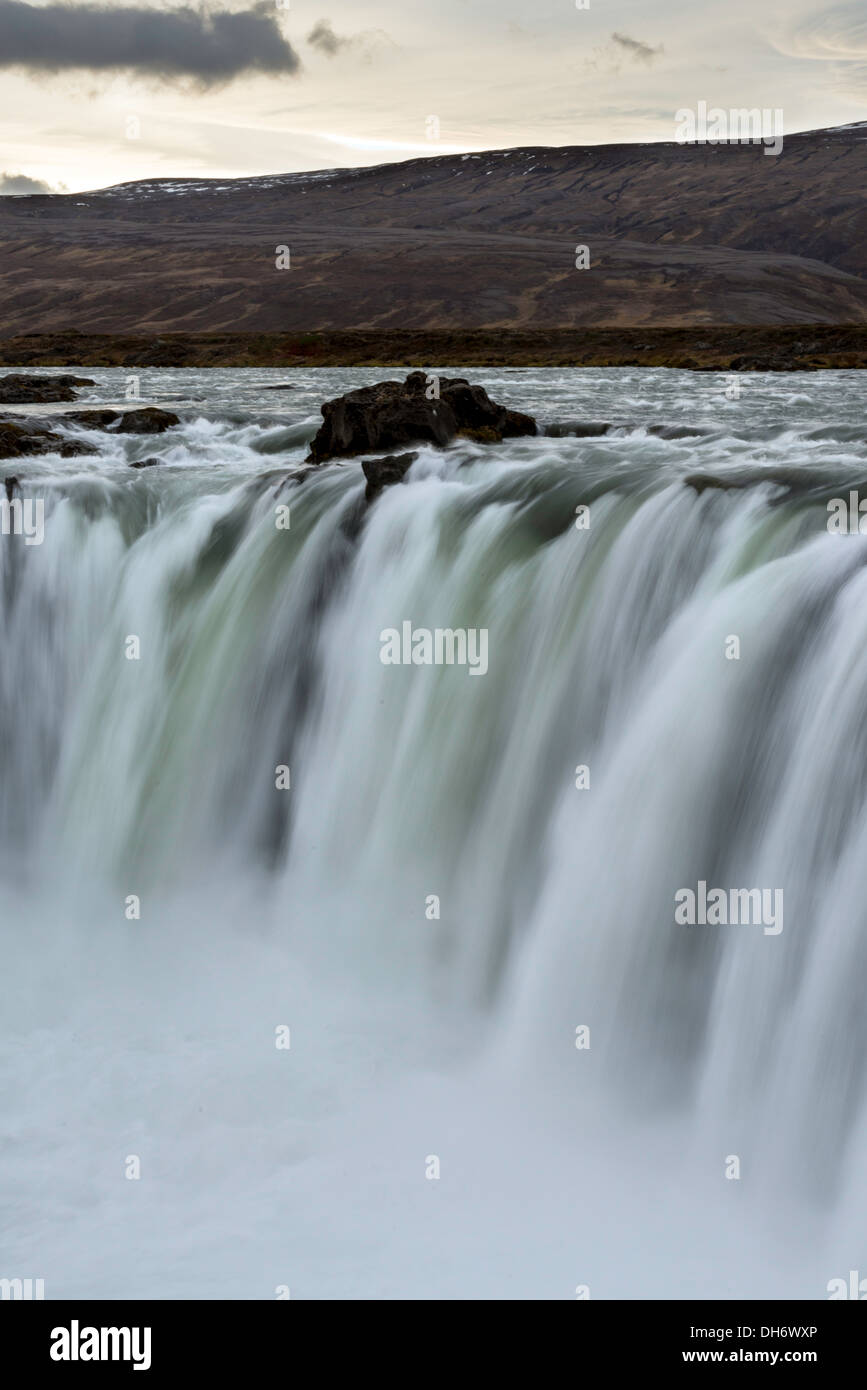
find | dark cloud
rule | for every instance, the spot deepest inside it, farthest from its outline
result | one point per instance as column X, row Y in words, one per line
column 171, row 43
column 323, row 37
column 18, row 184
column 366, row 45
column 641, row 52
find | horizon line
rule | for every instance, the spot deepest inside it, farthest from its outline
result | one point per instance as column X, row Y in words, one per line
column 452, row 154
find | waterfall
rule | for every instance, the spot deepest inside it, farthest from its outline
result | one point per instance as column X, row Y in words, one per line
column 433, row 904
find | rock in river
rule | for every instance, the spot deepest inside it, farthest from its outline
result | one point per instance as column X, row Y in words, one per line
column 393, row 413
column 383, row 472
column 19, row 438
column 148, row 420
column 18, row 389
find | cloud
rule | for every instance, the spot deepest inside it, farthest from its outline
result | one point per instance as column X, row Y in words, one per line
column 620, row 49
column 367, row 43
column 323, row 37
column 171, row 43
column 837, row 35
column 836, row 38
column 635, row 49
column 17, row 185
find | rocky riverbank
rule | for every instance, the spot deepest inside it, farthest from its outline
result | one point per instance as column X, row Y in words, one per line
column 728, row 348
column 21, row 437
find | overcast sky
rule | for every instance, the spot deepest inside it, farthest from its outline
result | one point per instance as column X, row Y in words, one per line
column 94, row 95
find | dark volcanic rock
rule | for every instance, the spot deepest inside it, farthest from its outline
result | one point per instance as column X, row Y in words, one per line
column 678, row 431
column 146, row 463
column 148, row 420
column 92, row 419
column 394, row 413
column 18, row 440
column 700, row 482
column 799, row 481
column 18, row 389
column 384, row 472
column 577, row 429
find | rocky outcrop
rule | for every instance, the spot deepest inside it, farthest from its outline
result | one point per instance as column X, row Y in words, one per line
column 147, row 420
column 798, row 481
column 384, row 472
column 18, row 389
column 146, row 463
column 18, row 439
column 421, row 409
column 678, row 431
column 577, row 429
column 91, row 419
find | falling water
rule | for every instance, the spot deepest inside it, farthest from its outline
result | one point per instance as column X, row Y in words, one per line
column 433, row 907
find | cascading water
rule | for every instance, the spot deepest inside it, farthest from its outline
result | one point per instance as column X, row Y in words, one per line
column 432, row 908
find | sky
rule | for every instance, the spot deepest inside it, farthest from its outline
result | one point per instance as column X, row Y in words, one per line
column 100, row 94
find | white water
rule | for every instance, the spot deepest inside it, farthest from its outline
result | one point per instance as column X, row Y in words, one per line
column 452, row 1037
